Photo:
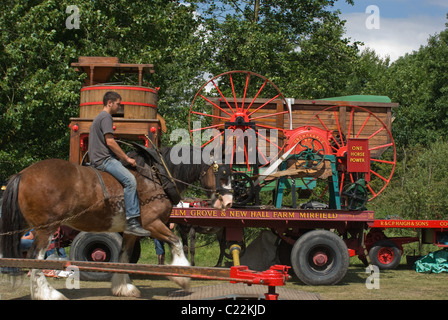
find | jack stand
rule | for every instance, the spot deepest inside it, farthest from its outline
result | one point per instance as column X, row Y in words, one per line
column 235, row 250
column 271, row 295
column 275, row 276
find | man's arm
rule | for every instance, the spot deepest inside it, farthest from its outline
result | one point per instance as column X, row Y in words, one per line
column 113, row 145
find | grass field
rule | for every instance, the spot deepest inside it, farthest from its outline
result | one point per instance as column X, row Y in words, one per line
column 400, row 284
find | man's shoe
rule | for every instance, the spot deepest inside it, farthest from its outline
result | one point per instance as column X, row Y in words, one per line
column 133, row 227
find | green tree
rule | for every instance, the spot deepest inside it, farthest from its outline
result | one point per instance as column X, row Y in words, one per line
column 40, row 91
column 420, row 185
column 418, row 82
column 296, row 44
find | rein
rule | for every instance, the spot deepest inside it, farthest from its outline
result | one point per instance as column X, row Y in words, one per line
column 219, row 191
column 174, row 179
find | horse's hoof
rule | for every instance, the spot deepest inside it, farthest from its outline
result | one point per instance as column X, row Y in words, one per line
column 126, row 290
column 122, row 287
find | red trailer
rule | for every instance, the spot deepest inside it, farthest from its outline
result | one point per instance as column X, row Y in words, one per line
column 386, row 252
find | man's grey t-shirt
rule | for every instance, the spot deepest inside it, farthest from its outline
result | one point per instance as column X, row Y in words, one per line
column 98, row 149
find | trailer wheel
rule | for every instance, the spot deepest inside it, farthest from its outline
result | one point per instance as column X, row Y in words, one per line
column 320, row 257
column 100, row 247
column 385, row 254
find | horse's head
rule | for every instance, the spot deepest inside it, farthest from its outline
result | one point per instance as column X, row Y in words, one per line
column 218, row 179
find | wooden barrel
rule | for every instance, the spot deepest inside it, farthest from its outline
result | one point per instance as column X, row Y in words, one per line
column 138, row 102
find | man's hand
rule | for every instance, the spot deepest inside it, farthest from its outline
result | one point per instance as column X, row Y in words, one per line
column 131, row 161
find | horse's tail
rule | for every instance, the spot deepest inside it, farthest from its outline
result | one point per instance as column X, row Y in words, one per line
column 12, row 221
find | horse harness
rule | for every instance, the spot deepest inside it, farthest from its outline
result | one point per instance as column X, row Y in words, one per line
column 102, row 184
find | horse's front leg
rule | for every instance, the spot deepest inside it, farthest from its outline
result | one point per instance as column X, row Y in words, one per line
column 179, row 259
column 160, row 231
column 184, row 234
column 121, row 283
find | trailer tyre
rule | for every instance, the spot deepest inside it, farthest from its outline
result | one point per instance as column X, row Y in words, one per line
column 101, row 247
column 385, row 254
column 320, row 257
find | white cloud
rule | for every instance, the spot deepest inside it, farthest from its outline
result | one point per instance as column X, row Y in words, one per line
column 442, row 3
column 396, row 36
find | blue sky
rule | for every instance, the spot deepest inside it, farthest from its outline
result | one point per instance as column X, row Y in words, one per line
column 404, row 25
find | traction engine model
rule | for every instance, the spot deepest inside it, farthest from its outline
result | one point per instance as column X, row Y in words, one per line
column 332, row 152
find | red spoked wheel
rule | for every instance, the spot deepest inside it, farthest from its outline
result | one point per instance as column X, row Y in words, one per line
column 346, row 122
column 243, row 112
column 385, row 254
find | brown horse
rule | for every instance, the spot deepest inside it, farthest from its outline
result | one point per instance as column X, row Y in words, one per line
column 55, row 192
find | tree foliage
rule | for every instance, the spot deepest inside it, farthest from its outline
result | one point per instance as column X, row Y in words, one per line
column 418, row 82
column 284, row 40
column 299, row 45
column 40, row 91
column 420, row 185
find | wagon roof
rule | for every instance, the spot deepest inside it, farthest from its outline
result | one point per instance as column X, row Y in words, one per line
column 361, row 98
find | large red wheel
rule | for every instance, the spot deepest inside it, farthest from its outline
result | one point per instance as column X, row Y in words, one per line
column 246, row 107
column 345, row 122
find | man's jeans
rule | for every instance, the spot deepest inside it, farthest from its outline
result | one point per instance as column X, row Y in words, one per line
column 116, row 169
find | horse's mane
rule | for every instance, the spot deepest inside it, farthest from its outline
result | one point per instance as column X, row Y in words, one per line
column 189, row 172
column 185, row 172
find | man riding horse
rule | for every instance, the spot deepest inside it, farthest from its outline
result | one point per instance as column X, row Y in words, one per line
column 55, row 192
column 103, row 154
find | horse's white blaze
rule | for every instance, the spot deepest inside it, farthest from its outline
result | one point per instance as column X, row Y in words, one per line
column 227, row 201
